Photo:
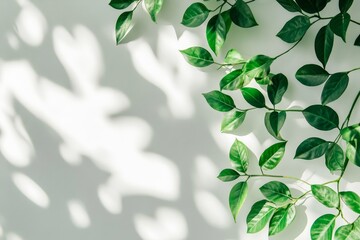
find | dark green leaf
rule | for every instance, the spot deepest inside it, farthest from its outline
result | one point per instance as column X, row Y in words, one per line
column 324, row 42
column 311, row 148
column 197, row 56
column 232, row 120
column 228, row 175
column 281, row 219
column 352, row 200
column 289, row 5
column 339, row 25
column 216, row 33
column 258, row 66
column 237, row 198
column 253, row 96
column 272, row 156
column 321, row 117
column 353, row 152
column 357, row 41
column 241, row 15
column 239, row 156
column 226, row 16
column 351, row 133
column 294, row 29
column 153, row 7
column 233, row 81
column 348, row 232
column 311, row 75
column 121, row 4
column 325, row 195
column 233, row 57
column 334, row 158
column 334, row 87
column 344, row 5
column 276, row 192
column 259, row 215
column 312, row 6
column 274, row 121
column 195, row 15
column 277, row 88
column 123, row 26
column 322, row 228
column 219, row 101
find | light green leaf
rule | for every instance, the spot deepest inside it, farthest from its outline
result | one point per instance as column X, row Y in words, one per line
column 197, row 56
column 253, row 96
column 289, row 5
column 239, row 156
column 321, row 117
column 322, row 228
column 123, row 26
column 277, row 88
column 195, row 15
column 325, row 195
column 216, row 33
column 353, row 152
column 121, row 4
column 232, row 120
column 311, row 148
column 259, row 215
column 241, row 15
column 294, row 29
column 228, row 175
column 234, row 57
column 324, row 42
column 334, row 87
column 351, row 133
column 237, row 198
column 339, row 25
column 352, row 200
column 276, row 192
column 348, row 232
column 219, row 101
column 153, row 7
column 258, row 66
column 233, row 81
column 334, row 158
column 311, row 75
column 281, row 219
column 272, row 156
column 274, row 121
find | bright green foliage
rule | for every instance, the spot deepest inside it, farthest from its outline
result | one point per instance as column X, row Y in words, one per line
column 123, row 26
column 334, row 158
column 276, row 192
column 253, row 96
column 228, row 175
column 233, row 57
column 311, row 148
column 239, row 156
column 216, row 32
column 274, row 121
column 348, row 232
column 121, row 4
column 153, row 7
column 258, row 66
column 232, row 120
column 195, row 15
column 352, row 200
column 237, row 198
column 323, row 227
column 272, row 156
column 233, row 81
column 219, row 101
column 325, row 195
column 281, row 219
column 197, row 56
column 259, row 216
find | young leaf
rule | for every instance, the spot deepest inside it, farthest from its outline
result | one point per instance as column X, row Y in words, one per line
column 276, row 192
column 274, row 121
column 344, row 5
column 289, row 5
column 311, row 75
column 123, row 26
column 197, row 56
column 334, row 87
column 195, row 15
column 121, row 4
column 324, row 42
column 351, row 133
column 348, row 232
column 253, row 96
column 233, row 57
column 321, row 117
column 239, row 156
column 219, row 101
column 334, row 158
column 311, row 148
column 153, row 7
column 233, row 81
column 294, row 29
column 281, row 219
column 339, row 25
column 322, row 228
column 312, row 6
column 325, row 195
column 237, row 198
column 241, row 15
column 232, row 120
column 352, row 200
column 357, row 41
column 257, row 66
column 259, row 215
column 216, row 33
column 228, row 175
column 272, row 156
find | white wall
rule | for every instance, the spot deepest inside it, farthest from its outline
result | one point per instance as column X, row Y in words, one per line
column 105, row 142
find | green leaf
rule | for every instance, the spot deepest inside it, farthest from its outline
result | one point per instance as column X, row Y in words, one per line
column 334, row 158
column 311, row 75
column 197, row 56
column 259, row 215
column 226, row 16
column 258, row 66
column 289, row 5
column 216, row 33
column 357, row 41
column 311, row 148
column 253, row 96
column 353, row 152
column 294, row 29
column 324, row 42
column 228, row 175
column 274, row 121
column 121, row 4
column 219, row 101
column 233, row 81
column 339, row 25
column 348, row 232
column 281, row 219
column 239, row 156
column 325, row 195
column 352, row 200
column 344, row 5
column 312, row 6
column 123, row 26
column 321, row 117
column 351, row 133
column 322, row 228
column 277, row 88
column 232, row 120
column 276, row 192
column 153, row 7
column 334, row 87
column 272, row 156
column 241, row 15
column 237, row 198
column 233, row 57
column 195, row 15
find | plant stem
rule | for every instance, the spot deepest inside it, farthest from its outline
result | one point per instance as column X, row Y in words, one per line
column 281, row 54
column 278, row 176
column 137, row 4
column 352, row 70
column 358, row 23
column 347, row 119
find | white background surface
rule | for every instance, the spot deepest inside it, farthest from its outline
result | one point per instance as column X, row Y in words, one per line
column 104, row 142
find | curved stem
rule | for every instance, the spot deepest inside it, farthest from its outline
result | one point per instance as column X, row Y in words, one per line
column 347, row 119
column 278, row 176
column 352, row 70
column 358, row 23
column 137, row 4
